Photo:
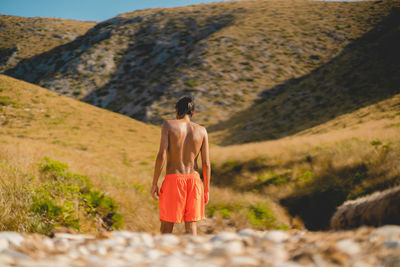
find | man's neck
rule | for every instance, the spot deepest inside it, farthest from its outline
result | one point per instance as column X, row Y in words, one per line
column 186, row 118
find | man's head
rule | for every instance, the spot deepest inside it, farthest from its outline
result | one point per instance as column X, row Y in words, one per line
column 185, row 106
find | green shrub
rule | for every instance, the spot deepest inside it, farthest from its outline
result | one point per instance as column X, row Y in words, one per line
column 68, row 199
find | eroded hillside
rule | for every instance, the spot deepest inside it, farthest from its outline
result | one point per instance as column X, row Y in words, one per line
column 22, row 38
column 226, row 55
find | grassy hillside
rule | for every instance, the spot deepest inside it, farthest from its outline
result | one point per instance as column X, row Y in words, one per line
column 22, row 38
column 114, row 151
column 364, row 73
column 226, row 55
column 54, row 147
column 315, row 171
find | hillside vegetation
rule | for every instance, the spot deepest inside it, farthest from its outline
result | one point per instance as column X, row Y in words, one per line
column 22, row 38
column 226, row 55
column 51, row 142
column 60, row 158
column 311, row 87
column 315, row 171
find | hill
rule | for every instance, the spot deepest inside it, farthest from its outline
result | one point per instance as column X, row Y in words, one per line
column 227, row 55
column 315, row 171
column 43, row 131
column 52, row 143
column 22, row 37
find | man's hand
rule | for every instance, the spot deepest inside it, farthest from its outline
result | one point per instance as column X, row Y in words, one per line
column 154, row 192
column 206, row 197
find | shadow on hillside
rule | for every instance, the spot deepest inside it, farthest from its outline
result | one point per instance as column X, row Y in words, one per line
column 317, row 201
column 53, row 61
column 367, row 71
column 152, row 63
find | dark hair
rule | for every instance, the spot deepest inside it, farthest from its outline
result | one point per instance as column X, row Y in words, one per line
column 184, row 106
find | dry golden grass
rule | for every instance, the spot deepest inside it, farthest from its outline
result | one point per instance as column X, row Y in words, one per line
column 328, row 163
column 115, row 151
column 37, row 35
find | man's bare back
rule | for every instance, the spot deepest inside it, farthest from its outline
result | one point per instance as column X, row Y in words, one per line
column 184, row 143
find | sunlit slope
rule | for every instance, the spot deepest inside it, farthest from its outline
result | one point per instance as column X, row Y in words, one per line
column 22, row 37
column 226, row 55
column 115, row 151
column 313, row 172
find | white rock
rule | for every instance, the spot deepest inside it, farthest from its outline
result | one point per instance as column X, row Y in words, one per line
column 83, row 250
column 100, row 250
column 3, row 244
column 124, row 234
column 388, row 230
column 276, row 253
column 12, row 238
column 167, row 240
column 147, row 240
column 15, row 254
column 62, row 244
column 204, row 247
column 73, row 237
column 247, row 232
column 48, row 243
column 243, row 261
column 276, row 236
column 112, row 242
column 6, row 259
column 195, row 239
column 287, row 264
column 224, row 237
column 153, row 254
column 94, row 260
column 228, row 249
column 171, row 261
column 348, row 246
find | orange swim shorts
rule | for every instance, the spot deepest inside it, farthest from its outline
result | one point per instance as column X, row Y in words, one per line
column 181, row 197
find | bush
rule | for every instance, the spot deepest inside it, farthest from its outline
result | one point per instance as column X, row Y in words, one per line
column 67, row 199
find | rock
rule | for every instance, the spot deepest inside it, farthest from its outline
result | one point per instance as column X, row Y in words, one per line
column 224, row 237
column 153, row 254
column 228, row 249
column 147, row 240
column 276, row 236
column 388, row 230
column 112, row 242
column 276, row 253
column 3, row 244
column 73, row 237
column 15, row 254
column 247, row 232
column 348, row 246
column 394, row 243
column 171, row 261
column 62, row 244
column 100, row 250
column 12, row 238
column 167, row 240
column 243, row 261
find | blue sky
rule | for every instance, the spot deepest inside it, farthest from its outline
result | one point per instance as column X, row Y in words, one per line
column 96, row 10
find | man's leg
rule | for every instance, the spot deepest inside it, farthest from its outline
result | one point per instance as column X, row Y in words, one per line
column 166, row 227
column 191, row 228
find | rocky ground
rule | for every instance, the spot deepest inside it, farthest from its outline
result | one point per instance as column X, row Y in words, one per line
column 361, row 247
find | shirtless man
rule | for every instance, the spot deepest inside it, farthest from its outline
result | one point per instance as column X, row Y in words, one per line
column 182, row 195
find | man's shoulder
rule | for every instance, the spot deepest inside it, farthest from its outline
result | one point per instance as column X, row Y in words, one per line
column 199, row 127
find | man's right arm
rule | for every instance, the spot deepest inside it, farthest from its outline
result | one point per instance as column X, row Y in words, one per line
column 206, row 166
